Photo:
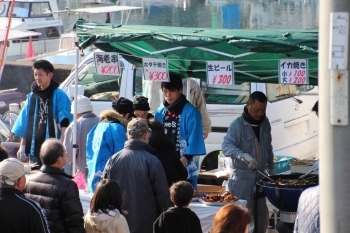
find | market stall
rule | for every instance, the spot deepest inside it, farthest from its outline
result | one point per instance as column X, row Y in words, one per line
column 204, row 212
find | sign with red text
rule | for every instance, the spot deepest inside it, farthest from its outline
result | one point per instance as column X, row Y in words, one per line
column 293, row 71
column 107, row 63
column 220, row 73
column 155, row 69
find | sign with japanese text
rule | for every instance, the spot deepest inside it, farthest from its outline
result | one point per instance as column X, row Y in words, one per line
column 155, row 69
column 107, row 63
column 293, row 71
column 220, row 72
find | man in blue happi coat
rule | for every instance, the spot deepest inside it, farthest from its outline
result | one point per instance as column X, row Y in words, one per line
column 45, row 114
column 183, row 125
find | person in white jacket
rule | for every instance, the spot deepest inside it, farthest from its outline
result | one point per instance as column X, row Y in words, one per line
column 86, row 120
column 105, row 213
column 197, row 99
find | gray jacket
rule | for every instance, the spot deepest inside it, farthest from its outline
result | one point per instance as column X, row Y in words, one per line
column 240, row 139
column 143, row 184
column 84, row 124
column 308, row 215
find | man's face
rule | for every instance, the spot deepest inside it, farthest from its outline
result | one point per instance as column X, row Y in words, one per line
column 141, row 114
column 257, row 110
column 42, row 79
column 171, row 96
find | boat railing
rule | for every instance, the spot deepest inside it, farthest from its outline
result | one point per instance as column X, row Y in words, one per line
column 19, row 49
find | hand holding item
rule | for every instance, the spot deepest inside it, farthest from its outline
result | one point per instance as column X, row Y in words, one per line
column 253, row 164
column 271, row 172
column 21, row 153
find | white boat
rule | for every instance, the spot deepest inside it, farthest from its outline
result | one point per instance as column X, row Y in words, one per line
column 44, row 17
column 37, row 16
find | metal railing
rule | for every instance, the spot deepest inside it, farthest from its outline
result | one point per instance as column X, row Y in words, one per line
column 19, row 50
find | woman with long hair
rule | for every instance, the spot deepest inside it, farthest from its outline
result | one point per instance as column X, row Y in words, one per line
column 105, row 213
column 232, row 218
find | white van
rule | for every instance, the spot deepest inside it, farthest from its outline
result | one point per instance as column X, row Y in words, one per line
column 294, row 126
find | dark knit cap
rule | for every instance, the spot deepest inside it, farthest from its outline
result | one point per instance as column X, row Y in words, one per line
column 122, row 105
column 140, row 103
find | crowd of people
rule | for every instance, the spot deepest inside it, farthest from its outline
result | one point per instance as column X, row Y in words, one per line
column 141, row 168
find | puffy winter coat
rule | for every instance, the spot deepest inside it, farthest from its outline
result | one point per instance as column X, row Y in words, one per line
column 113, row 222
column 308, row 215
column 59, row 196
column 142, row 181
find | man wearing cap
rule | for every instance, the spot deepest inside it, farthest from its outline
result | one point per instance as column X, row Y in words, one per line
column 17, row 213
column 55, row 191
column 107, row 138
column 86, row 120
column 141, row 178
column 141, row 107
column 183, row 125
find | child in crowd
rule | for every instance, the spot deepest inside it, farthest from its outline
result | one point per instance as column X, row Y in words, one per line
column 232, row 218
column 179, row 218
column 105, row 213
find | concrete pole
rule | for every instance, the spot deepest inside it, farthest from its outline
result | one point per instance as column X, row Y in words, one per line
column 334, row 139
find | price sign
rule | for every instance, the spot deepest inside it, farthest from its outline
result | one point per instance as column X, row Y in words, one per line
column 155, row 69
column 220, row 72
column 106, row 63
column 293, row 71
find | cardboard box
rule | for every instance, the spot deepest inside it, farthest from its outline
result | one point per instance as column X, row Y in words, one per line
column 210, row 189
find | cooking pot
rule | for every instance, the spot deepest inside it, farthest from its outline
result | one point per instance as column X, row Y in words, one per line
column 285, row 197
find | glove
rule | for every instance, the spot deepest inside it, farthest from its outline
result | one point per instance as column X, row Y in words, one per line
column 315, row 166
column 21, row 153
column 253, row 164
column 271, row 172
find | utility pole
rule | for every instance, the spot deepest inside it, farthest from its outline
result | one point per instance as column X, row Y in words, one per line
column 334, row 129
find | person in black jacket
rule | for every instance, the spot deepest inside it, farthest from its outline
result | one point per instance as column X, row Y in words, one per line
column 165, row 151
column 55, row 191
column 179, row 218
column 17, row 213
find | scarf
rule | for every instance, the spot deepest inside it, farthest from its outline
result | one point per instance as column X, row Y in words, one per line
column 37, row 97
column 171, row 120
column 176, row 107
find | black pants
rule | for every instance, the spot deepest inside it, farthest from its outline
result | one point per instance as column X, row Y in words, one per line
column 283, row 227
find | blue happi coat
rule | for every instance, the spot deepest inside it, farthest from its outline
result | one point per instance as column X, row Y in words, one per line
column 61, row 110
column 104, row 140
column 191, row 138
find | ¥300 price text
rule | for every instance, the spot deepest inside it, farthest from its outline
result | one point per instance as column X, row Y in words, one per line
column 159, row 76
column 223, row 79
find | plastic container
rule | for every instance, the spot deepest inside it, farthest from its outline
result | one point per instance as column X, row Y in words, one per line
column 221, row 162
column 283, row 163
